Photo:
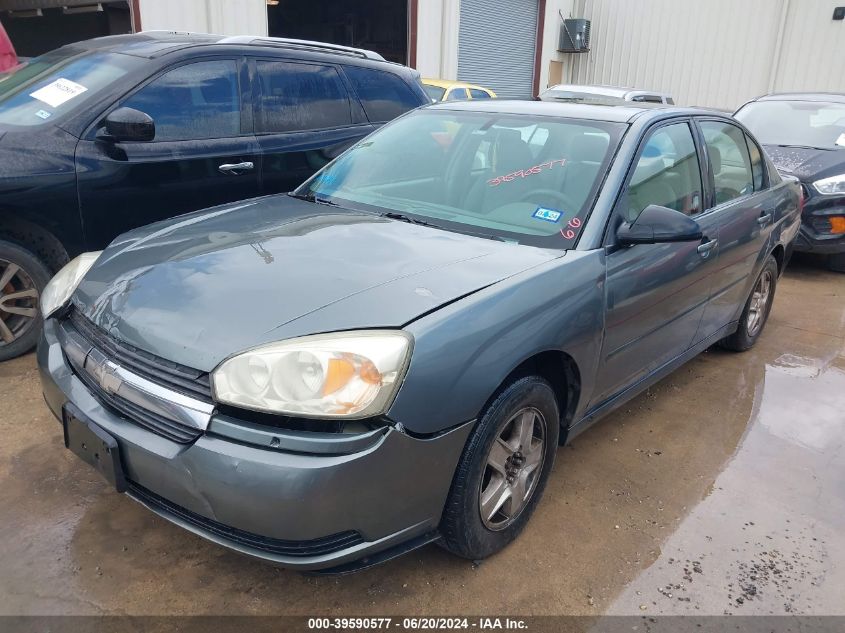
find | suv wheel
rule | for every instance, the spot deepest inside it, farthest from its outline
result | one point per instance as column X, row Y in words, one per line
column 22, row 278
column 503, row 471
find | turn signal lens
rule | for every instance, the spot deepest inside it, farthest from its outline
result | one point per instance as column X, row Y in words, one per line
column 837, row 224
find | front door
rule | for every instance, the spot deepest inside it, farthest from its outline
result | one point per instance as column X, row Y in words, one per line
column 203, row 153
column 656, row 293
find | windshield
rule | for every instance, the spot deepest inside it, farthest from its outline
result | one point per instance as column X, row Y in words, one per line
column 434, row 92
column 526, row 179
column 801, row 123
column 58, row 83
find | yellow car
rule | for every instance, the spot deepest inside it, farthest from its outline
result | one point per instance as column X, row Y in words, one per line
column 446, row 90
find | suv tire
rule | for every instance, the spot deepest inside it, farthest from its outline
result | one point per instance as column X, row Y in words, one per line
column 22, row 279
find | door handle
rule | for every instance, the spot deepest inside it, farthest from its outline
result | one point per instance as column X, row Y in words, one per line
column 763, row 220
column 234, row 168
column 704, row 249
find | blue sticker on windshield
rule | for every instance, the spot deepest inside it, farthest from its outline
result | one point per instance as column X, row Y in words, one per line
column 549, row 215
column 43, row 114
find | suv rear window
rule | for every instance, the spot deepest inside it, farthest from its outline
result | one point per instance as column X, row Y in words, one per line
column 383, row 95
column 296, row 97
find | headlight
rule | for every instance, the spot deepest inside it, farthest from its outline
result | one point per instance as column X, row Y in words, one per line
column 57, row 292
column 831, row 186
column 343, row 375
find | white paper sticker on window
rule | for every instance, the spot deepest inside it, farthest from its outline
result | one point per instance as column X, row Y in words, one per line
column 56, row 93
column 841, row 140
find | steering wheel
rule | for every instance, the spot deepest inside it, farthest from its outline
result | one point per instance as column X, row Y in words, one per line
column 564, row 199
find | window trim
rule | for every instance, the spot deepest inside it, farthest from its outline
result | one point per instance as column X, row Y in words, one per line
column 92, row 128
column 257, row 93
column 711, row 175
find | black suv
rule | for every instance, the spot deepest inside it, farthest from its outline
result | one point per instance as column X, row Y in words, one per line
column 102, row 136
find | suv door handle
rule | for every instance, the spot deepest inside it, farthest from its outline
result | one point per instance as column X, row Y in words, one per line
column 234, row 168
column 704, row 249
column 763, row 220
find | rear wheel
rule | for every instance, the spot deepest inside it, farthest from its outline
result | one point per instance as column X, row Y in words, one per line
column 22, row 278
column 756, row 312
column 503, row 471
column 837, row 262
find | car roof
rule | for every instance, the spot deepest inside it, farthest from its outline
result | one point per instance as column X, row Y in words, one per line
column 621, row 112
column 153, row 44
column 448, row 83
column 609, row 91
column 834, row 97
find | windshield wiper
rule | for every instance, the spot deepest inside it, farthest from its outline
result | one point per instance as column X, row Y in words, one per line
column 392, row 215
column 312, row 197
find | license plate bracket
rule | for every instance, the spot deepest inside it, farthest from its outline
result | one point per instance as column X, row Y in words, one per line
column 93, row 445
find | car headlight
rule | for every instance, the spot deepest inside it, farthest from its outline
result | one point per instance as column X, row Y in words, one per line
column 348, row 375
column 831, row 186
column 59, row 289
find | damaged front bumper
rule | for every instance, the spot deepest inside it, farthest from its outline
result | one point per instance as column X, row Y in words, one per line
column 310, row 501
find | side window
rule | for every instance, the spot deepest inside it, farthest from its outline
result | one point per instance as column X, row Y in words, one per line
column 384, row 95
column 295, row 97
column 457, row 94
column 667, row 174
column 194, row 101
column 758, row 165
column 729, row 159
column 478, row 94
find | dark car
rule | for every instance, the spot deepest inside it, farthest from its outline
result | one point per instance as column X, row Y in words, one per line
column 103, row 136
column 391, row 354
column 805, row 136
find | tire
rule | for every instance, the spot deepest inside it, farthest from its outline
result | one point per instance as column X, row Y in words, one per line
column 465, row 533
column 837, row 262
column 755, row 314
column 22, row 279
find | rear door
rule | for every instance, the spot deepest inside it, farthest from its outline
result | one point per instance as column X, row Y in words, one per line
column 744, row 212
column 203, row 153
column 657, row 293
column 304, row 117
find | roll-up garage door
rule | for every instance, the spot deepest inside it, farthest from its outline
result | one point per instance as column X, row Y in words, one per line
column 496, row 45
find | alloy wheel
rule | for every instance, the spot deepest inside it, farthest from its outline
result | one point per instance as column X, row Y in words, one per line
column 759, row 303
column 512, row 469
column 18, row 302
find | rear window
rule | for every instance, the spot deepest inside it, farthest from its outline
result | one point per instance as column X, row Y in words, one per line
column 57, row 84
column 383, row 95
column 297, row 97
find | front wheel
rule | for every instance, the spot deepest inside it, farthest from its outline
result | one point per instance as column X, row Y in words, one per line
column 756, row 312
column 503, row 471
column 22, row 278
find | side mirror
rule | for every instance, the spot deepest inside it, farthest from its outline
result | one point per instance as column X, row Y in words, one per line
column 128, row 124
column 658, row 225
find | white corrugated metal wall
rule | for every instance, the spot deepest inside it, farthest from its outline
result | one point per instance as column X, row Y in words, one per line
column 232, row 17
column 716, row 53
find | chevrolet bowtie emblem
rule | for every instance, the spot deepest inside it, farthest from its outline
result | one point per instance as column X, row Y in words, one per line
column 104, row 372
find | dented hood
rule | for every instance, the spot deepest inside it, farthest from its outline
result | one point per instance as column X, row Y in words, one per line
column 201, row 287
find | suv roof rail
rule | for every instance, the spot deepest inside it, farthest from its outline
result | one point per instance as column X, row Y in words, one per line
column 285, row 42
